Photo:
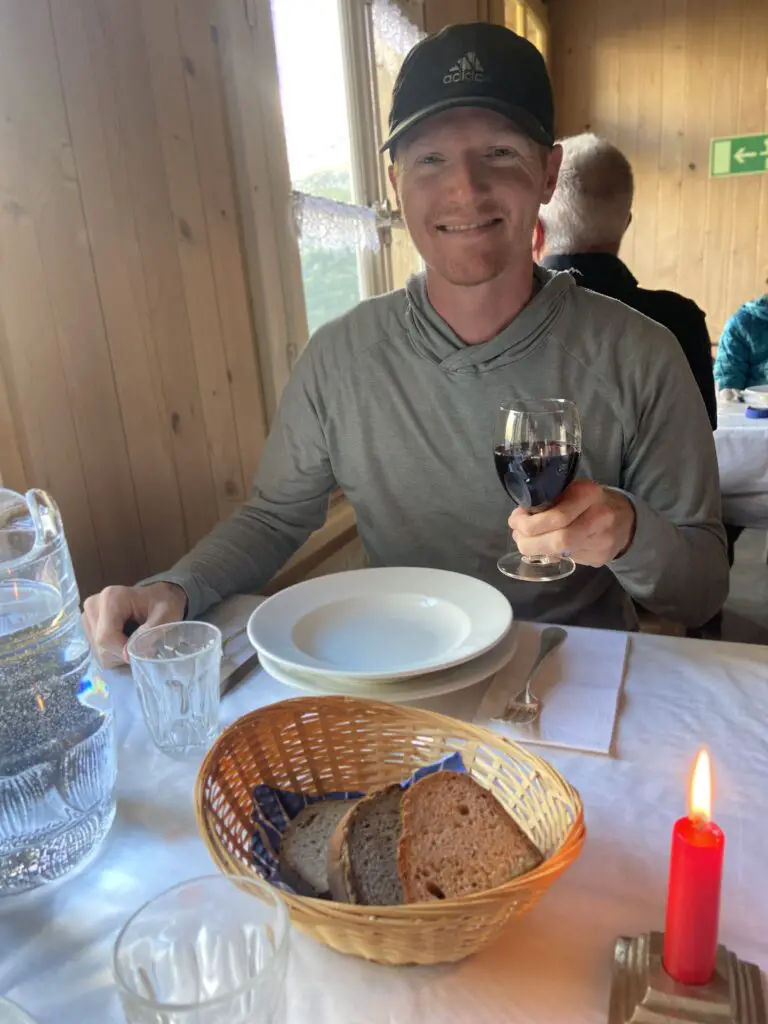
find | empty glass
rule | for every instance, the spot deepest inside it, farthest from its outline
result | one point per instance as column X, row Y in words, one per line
column 177, row 669
column 207, row 951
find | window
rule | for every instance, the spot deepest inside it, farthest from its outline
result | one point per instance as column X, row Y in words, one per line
column 352, row 243
column 394, row 33
column 317, row 132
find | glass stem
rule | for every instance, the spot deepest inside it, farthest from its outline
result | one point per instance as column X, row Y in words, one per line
column 532, row 559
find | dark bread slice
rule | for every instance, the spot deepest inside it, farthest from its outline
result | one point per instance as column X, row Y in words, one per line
column 362, row 854
column 458, row 839
column 304, row 846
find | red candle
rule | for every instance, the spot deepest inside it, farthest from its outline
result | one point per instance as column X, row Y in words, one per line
column 695, row 873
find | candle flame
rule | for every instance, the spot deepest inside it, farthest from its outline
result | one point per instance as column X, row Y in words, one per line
column 700, row 807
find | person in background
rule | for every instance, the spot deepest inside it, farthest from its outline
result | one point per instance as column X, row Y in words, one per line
column 742, row 356
column 742, row 362
column 581, row 229
column 395, row 401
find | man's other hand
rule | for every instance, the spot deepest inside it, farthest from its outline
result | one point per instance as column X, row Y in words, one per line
column 105, row 616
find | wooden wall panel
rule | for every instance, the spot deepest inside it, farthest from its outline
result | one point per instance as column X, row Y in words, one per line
column 660, row 78
column 205, row 90
column 54, row 204
column 108, row 204
column 129, row 384
column 12, row 471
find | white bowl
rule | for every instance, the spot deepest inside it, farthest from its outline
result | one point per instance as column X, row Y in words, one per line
column 384, row 623
column 757, row 396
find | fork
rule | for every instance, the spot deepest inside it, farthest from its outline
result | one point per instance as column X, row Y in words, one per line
column 525, row 706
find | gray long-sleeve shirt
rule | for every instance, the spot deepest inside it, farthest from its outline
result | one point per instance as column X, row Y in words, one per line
column 390, row 405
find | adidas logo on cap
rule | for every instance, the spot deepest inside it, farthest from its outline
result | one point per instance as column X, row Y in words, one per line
column 468, row 69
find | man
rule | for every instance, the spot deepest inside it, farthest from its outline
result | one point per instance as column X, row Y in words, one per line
column 395, row 401
column 581, row 229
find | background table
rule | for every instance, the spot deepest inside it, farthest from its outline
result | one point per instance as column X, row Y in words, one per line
column 742, row 455
column 551, row 966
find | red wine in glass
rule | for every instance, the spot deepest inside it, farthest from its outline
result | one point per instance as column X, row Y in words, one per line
column 536, row 451
column 535, row 476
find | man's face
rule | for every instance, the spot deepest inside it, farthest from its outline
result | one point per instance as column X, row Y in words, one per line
column 470, row 186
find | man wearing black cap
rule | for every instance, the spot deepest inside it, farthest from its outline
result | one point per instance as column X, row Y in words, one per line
column 395, row 401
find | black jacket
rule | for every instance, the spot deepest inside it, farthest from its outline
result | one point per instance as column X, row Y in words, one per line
column 601, row 272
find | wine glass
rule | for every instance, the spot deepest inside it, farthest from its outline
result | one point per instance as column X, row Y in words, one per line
column 536, row 448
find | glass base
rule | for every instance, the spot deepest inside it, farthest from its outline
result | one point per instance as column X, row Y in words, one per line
column 535, row 570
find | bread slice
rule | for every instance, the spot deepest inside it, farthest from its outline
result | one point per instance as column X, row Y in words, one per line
column 362, row 854
column 304, row 846
column 457, row 839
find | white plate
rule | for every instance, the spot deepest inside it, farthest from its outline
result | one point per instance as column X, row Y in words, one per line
column 380, row 623
column 432, row 684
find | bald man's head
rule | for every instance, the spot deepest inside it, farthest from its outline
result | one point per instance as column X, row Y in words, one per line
column 592, row 203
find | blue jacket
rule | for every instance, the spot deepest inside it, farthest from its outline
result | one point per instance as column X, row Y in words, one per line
column 742, row 358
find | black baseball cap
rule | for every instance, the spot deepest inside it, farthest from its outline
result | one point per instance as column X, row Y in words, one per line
column 474, row 65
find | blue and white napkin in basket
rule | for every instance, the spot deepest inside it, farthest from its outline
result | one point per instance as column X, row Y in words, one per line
column 579, row 684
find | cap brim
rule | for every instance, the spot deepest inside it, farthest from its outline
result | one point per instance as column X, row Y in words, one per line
column 522, row 118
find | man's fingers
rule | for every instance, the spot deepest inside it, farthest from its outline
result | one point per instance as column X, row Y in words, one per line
column 116, row 610
column 579, row 497
column 159, row 613
column 105, row 616
column 90, row 617
column 574, row 538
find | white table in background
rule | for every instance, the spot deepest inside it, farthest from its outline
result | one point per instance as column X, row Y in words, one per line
column 742, row 455
column 551, row 966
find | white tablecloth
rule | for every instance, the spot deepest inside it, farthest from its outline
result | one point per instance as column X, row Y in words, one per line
column 552, row 965
column 742, row 455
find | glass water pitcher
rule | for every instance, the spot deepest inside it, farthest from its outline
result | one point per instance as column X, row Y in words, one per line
column 57, row 745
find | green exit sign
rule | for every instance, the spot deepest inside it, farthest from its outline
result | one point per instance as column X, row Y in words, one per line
column 739, row 154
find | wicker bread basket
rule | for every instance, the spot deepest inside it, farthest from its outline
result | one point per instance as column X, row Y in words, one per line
column 326, row 744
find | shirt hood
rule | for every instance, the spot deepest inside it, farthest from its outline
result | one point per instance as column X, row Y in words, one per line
column 436, row 341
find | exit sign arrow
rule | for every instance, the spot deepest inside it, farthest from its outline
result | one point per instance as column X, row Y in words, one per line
column 738, row 154
column 743, row 154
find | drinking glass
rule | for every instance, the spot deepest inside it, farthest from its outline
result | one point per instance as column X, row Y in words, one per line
column 177, row 670
column 537, row 445
column 207, row 951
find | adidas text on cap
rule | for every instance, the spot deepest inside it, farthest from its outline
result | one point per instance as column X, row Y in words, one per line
column 476, row 65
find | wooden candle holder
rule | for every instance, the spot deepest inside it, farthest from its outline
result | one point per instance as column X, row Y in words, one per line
column 643, row 993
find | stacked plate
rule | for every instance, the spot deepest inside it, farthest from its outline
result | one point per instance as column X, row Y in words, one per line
column 390, row 634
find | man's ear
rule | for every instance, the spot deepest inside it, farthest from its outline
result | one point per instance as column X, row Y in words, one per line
column 554, row 160
column 538, row 240
column 392, row 172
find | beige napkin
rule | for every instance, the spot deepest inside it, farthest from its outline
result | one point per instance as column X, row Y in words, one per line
column 231, row 616
column 579, row 685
